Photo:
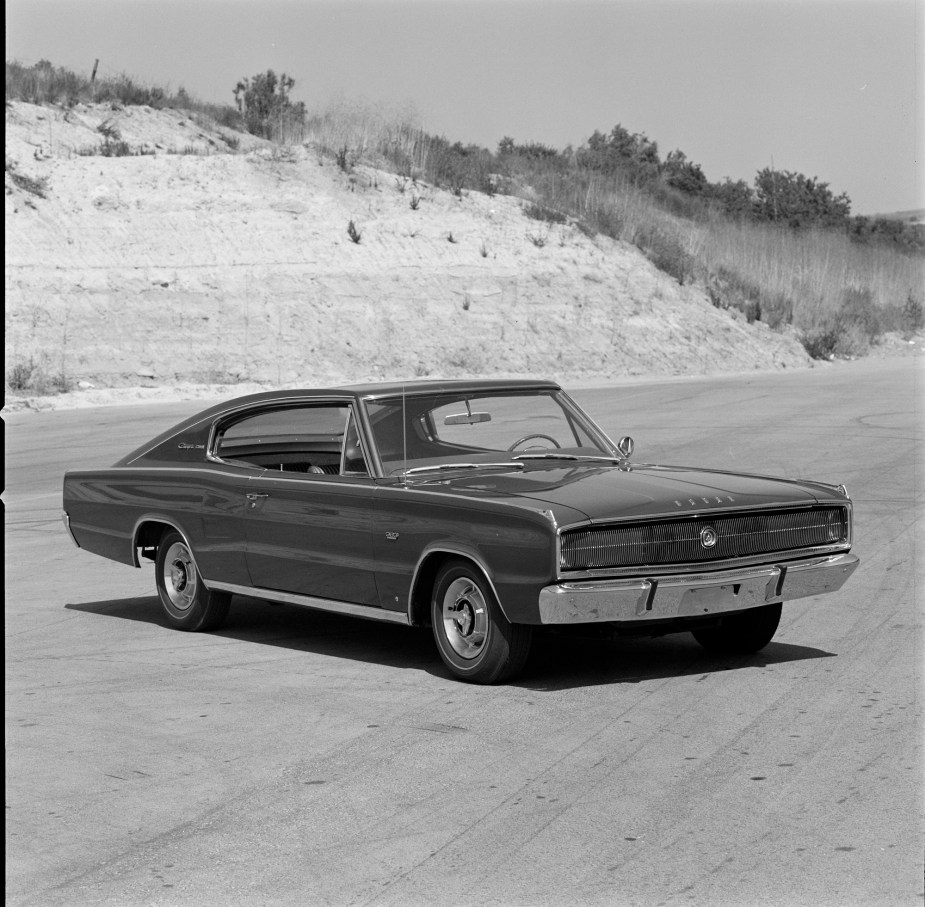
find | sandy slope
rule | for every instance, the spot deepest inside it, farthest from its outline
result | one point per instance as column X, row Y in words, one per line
column 217, row 267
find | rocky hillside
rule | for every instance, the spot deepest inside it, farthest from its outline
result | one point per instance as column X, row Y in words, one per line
column 144, row 247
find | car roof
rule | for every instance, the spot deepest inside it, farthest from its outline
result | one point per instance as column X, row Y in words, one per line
column 371, row 391
column 451, row 385
column 385, row 389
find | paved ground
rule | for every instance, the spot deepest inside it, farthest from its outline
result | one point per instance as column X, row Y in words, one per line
column 301, row 758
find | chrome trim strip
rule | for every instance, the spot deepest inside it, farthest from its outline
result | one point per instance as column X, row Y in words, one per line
column 663, row 515
column 701, row 566
column 588, row 423
column 270, row 403
column 310, row 601
column 691, row 595
column 66, row 519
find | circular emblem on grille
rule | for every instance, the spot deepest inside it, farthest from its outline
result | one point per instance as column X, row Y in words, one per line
column 708, row 536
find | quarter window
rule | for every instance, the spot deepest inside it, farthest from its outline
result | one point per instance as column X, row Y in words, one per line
column 299, row 439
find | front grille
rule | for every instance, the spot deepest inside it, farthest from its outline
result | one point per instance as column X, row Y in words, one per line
column 681, row 541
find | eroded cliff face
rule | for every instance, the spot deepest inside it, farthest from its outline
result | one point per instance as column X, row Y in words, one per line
column 195, row 262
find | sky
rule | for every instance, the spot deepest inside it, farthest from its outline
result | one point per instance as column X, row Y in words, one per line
column 827, row 88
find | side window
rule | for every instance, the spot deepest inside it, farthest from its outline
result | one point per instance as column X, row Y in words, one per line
column 306, row 439
column 354, row 459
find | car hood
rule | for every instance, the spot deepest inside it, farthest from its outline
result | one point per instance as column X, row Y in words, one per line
column 607, row 493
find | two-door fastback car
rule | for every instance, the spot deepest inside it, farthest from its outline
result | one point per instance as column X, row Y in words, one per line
column 485, row 509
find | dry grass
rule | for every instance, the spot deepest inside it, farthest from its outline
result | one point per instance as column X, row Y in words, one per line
column 839, row 294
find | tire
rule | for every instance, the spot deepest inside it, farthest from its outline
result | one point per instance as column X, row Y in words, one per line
column 475, row 640
column 741, row 634
column 187, row 603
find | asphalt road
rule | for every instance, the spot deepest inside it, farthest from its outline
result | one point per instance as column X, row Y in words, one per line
column 302, row 758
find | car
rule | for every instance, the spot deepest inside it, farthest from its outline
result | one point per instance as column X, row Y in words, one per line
column 485, row 509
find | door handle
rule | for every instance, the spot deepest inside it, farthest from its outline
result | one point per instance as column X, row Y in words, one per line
column 255, row 500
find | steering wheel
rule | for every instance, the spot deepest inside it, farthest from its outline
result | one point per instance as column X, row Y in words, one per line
column 553, row 441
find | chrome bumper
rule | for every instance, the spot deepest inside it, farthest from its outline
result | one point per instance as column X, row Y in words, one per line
column 692, row 594
column 66, row 519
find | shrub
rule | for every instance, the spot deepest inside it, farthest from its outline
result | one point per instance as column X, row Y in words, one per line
column 353, row 233
column 20, row 374
column 344, row 162
column 820, row 343
column 776, row 309
column 28, row 375
column 34, row 185
column 729, row 290
column 858, row 310
column 115, row 148
column 913, row 315
column 264, row 103
column 667, row 253
column 548, row 215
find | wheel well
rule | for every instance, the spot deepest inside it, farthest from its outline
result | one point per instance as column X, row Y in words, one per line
column 427, row 575
column 147, row 538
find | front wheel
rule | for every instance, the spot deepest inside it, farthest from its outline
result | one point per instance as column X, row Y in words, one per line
column 475, row 640
column 188, row 604
column 741, row 634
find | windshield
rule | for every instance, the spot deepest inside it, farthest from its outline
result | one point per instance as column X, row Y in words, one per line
column 488, row 428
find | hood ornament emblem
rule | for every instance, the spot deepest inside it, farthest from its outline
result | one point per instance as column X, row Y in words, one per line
column 708, row 537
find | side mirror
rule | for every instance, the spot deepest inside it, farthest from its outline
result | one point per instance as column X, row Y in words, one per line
column 625, row 445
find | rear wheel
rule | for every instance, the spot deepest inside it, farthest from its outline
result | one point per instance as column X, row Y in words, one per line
column 188, row 604
column 475, row 640
column 741, row 634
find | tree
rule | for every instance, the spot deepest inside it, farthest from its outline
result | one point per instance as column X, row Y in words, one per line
column 683, row 174
column 736, row 198
column 264, row 103
column 797, row 200
column 622, row 152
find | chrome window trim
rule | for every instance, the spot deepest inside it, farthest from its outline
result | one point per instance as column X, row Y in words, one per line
column 587, row 423
column 291, row 403
column 353, row 421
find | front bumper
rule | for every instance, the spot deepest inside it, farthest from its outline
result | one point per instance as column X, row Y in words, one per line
column 692, row 594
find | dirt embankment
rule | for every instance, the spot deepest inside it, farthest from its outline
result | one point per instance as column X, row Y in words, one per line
column 199, row 262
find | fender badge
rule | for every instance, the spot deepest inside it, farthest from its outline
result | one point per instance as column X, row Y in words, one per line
column 391, row 536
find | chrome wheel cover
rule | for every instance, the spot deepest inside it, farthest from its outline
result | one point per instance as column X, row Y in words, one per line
column 179, row 576
column 465, row 618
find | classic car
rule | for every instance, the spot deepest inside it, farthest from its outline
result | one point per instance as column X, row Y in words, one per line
column 485, row 509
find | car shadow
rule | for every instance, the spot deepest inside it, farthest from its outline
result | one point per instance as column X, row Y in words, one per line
column 560, row 661
column 557, row 661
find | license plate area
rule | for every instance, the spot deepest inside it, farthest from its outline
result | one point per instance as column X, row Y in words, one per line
column 711, row 599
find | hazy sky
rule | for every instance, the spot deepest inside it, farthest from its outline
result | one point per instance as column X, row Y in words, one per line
column 829, row 88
